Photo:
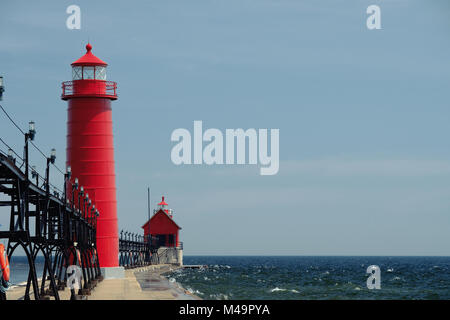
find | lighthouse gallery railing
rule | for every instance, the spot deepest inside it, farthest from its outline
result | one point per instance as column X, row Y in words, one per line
column 89, row 87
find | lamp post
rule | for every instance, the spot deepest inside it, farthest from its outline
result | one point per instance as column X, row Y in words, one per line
column 74, row 187
column 91, row 228
column 97, row 214
column 87, row 238
column 88, row 211
column 80, row 195
column 91, row 218
column 51, row 160
column 97, row 262
column 29, row 136
column 11, row 155
column 83, row 216
column 65, row 219
column 67, row 176
column 86, row 206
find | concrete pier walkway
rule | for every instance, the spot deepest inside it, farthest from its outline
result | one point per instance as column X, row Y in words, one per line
column 145, row 283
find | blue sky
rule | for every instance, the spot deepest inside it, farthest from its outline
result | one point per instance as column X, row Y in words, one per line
column 363, row 115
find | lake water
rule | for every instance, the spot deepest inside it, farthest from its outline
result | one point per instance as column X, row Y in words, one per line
column 237, row 277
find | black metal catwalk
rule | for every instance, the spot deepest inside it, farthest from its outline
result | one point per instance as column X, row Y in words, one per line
column 137, row 250
column 62, row 228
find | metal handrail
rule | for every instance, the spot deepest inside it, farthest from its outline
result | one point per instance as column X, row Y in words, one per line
column 89, row 87
column 136, row 250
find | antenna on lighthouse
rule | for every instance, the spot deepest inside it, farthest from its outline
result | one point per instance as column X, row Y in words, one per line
column 148, row 203
column 149, row 216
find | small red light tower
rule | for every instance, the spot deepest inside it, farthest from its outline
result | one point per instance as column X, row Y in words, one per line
column 90, row 149
column 164, row 206
column 162, row 226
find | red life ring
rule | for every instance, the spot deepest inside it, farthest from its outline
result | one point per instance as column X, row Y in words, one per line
column 4, row 262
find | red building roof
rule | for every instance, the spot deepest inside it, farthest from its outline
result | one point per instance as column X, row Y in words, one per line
column 89, row 59
column 161, row 211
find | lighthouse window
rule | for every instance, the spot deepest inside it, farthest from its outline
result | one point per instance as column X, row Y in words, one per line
column 88, row 73
column 76, row 73
column 100, row 73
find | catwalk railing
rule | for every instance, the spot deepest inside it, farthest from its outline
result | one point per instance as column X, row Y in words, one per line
column 137, row 250
column 60, row 226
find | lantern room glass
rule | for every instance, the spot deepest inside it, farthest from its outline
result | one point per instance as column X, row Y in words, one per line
column 88, row 73
column 100, row 73
column 77, row 73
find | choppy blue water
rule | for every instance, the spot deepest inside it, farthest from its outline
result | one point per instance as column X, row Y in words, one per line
column 237, row 277
column 18, row 267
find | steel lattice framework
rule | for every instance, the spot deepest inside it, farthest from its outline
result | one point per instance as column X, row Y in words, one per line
column 61, row 228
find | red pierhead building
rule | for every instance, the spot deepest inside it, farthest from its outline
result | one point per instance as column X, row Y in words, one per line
column 90, row 149
column 162, row 226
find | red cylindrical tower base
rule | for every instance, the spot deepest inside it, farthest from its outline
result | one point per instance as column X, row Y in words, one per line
column 90, row 153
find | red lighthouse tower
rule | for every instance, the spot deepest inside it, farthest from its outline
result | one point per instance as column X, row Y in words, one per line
column 90, row 149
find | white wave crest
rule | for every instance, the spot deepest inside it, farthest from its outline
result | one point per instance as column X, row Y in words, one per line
column 277, row 289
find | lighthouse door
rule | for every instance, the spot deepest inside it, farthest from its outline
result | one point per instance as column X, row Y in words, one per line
column 171, row 240
column 161, row 240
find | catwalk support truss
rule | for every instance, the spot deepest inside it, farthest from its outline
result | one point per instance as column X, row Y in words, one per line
column 59, row 228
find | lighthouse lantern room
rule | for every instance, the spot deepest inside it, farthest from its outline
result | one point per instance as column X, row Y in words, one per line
column 89, row 78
